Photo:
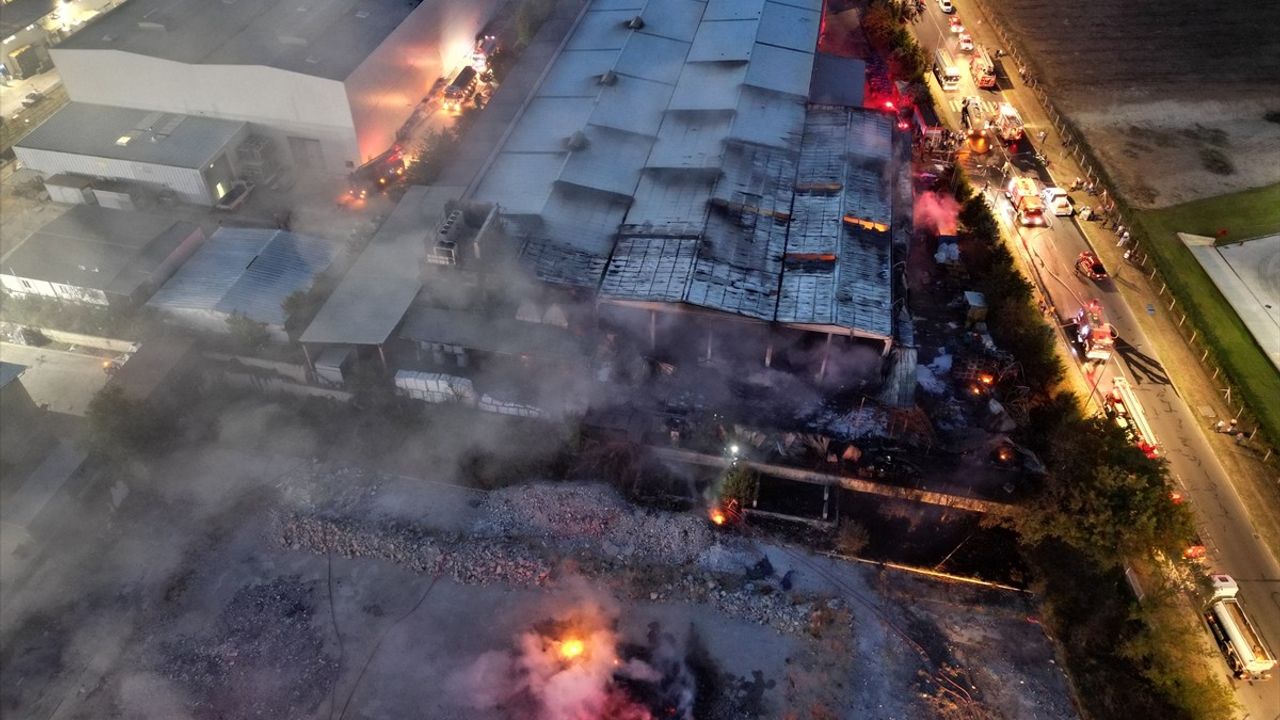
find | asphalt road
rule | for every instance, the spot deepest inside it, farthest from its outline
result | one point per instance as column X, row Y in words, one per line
column 64, row 381
column 1233, row 547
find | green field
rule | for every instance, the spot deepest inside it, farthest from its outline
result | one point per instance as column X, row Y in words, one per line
column 1244, row 215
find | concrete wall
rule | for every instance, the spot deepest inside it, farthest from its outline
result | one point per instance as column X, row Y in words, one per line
column 436, row 39
column 290, row 103
column 57, row 291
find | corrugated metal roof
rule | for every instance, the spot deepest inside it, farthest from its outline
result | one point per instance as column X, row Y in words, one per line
column 550, row 121
column 634, row 5
column 185, row 141
column 248, row 271
column 576, row 73
column 583, row 219
column 327, row 39
column 601, row 30
column 650, row 268
column 781, row 70
column 733, row 9
column 633, row 105
column 520, row 182
column 675, row 19
column 653, row 58
column 95, row 247
column 768, row 118
column 610, row 162
column 864, row 296
column 789, row 27
column 375, row 293
column 709, row 86
column 724, row 40
column 10, row 372
column 670, row 202
column 690, row 140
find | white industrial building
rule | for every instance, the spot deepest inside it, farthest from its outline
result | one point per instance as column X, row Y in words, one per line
column 191, row 156
column 331, row 81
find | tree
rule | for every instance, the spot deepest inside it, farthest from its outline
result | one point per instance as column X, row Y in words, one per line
column 247, row 332
column 738, row 483
column 120, row 427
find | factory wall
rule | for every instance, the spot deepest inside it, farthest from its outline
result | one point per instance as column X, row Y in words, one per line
column 188, row 183
column 435, row 40
column 310, row 112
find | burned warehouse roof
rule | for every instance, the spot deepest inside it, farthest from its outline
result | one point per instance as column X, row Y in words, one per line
column 673, row 160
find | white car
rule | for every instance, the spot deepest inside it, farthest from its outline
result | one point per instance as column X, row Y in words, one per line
column 955, row 25
column 966, row 42
column 1058, row 202
column 946, row 6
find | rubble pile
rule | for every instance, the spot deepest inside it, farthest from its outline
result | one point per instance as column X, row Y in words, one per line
column 470, row 562
column 263, row 658
column 597, row 519
column 526, row 532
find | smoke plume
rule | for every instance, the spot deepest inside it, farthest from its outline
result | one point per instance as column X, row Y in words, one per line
column 936, row 213
column 575, row 665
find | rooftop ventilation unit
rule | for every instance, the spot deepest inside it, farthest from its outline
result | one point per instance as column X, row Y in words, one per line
column 576, row 141
column 609, row 78
column 636, row 23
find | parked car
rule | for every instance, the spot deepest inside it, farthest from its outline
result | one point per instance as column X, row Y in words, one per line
column 1058, row 202
column 954, row 25
column 32, row 98
column 966, row 42
column 946, row 6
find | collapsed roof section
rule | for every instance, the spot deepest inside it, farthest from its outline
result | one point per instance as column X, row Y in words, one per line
column 697, row 176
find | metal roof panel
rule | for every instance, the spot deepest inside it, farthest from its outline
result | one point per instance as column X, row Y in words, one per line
column 789, row 27
column 724, row 41
column 780, row 69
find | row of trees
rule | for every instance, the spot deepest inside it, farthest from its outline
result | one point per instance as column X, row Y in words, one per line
column 1103, row 505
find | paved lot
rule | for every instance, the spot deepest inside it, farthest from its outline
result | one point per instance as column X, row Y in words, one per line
column 1248, row 274
column 64, row 381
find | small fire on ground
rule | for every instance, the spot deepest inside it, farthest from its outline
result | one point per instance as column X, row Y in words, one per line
column 577, row 665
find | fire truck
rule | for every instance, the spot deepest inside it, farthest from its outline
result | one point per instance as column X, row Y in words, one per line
column 1007, row 123
column 1094, row 335
column 460, row 90
column 1241, row 643
column 1024, row 196
column 983, row 69
column 1123, row 407
column 377, row 175
column 482, row 56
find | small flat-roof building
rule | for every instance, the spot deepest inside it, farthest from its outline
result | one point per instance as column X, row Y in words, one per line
column 190, row 155
column 330, row 81
column 244, row 271
column 99, row 256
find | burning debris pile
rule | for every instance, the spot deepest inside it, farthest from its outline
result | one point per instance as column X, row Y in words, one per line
column 262, row 658
column 576, row 665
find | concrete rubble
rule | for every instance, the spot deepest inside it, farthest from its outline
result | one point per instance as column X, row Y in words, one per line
column 526, row 536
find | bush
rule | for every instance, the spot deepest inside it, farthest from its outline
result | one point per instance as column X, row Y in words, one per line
column 853, row 538
column 120, row 427
column 738, row 483
column 248, row 333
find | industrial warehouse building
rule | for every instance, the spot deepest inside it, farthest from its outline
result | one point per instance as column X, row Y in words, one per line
column 99, row 256
column 680, row 169
column 243, row 271
column 190, row 156
column 677, row 168
column 330, row 81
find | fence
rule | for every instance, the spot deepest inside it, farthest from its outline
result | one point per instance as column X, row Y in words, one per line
column 1074, row 145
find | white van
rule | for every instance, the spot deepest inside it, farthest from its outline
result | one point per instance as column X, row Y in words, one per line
column 946, row 70
column 946, row 6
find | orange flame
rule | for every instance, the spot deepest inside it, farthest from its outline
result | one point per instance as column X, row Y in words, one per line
column 572, row 648
column 718, row 516
column 987, row 378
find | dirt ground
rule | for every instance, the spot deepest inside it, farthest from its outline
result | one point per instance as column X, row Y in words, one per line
column 229, row 583
column 1174, row 97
